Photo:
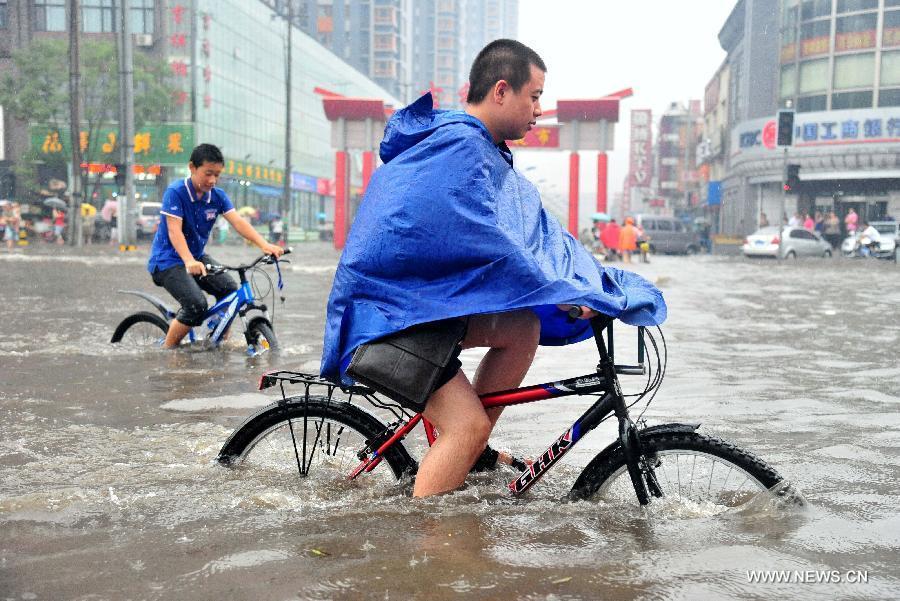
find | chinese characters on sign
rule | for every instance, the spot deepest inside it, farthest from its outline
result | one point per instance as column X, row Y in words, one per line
column 179, row 41
column 641, row 150
column 159, row 144
column 543, row 136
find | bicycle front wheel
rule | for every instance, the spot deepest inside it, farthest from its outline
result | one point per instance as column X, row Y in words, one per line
column 685, row 466
column 313, row 439
column 261, row 337
column 141, row 329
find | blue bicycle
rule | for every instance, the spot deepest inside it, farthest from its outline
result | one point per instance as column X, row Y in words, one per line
column 144, row 328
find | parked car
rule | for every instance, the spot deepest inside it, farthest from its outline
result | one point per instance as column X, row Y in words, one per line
column 795, row 242
column 889, row 239
column 147, row 218
column 669, row 235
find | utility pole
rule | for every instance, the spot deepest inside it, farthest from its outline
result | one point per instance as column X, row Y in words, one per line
column 127, row 204
column 286, row 200
column 74, row 229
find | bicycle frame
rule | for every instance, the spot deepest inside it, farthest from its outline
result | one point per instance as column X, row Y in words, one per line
column 604, row 380
column 231, row 305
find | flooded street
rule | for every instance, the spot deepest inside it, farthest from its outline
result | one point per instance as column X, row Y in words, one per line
column 109, row 488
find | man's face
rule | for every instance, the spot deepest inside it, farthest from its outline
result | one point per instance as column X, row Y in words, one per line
column 522, row 108
column 205, row 176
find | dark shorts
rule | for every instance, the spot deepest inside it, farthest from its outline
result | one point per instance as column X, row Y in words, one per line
column 188, row 290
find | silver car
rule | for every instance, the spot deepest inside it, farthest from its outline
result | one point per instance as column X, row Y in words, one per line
column 794, row 242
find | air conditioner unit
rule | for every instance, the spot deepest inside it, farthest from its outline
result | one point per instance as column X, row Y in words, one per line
column 144, row 40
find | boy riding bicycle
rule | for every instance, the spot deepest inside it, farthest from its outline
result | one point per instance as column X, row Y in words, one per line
column 177, row 259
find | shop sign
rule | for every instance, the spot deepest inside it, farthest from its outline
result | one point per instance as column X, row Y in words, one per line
column 824, row 128
column 641, row 153
column 254, row 172
column 305, row 183
column 544, row 136
column 154, row 144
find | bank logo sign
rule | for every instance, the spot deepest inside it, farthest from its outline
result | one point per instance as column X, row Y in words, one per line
column 827, row 128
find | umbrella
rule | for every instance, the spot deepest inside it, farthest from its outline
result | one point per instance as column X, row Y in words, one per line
column 88, row 210
column 55, row 203
column 600, row 217
column 246, row 211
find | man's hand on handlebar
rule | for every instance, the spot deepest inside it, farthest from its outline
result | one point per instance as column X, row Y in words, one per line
column 272, row 249
column 578, row 312
column 195, row 268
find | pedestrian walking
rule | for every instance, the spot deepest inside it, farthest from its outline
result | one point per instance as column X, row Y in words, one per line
column 109, row 214
column 59, row 225
column 850, row 221
column 763, row 220
column 610, row 239
column 628, row 236
column 12, row 222
column 832, row 231
column 88, row 219
column 808, row 223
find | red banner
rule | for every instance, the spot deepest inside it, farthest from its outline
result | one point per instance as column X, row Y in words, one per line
column 542, row 136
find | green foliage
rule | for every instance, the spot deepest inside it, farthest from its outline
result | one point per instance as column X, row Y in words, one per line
column 38, row 89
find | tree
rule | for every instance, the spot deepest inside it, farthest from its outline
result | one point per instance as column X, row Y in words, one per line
column 37, row 92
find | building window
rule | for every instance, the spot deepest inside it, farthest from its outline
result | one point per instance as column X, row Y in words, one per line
column 889, row 97
column 849, row 6
column 854, row 71
column 855, row 32
column 811, row 9
column 851, row 100
column 814, row 76
column 891, row 35
column 142, row 20
column 98, row 16
column 815, row 37
column 788, row 81
column 812, row 103
column 3, row 22
column 50, row 15
column 890, row 69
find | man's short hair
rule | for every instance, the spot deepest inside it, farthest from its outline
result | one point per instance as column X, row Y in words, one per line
column 206, row 153
column 501, row 59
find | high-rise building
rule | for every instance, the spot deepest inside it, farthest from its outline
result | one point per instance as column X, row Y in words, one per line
column 373, row 36
column 677, row 175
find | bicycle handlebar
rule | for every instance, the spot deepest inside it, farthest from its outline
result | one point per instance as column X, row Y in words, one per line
column 267, row 259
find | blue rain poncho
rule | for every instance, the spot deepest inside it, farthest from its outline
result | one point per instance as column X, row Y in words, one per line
column 448, row 228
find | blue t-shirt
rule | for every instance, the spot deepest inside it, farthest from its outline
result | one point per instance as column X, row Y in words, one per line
column 197, row 218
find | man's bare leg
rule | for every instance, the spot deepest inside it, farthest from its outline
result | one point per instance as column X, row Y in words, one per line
column 463, row 426
column 177, row 331
column 455, row 409
column 513, row 340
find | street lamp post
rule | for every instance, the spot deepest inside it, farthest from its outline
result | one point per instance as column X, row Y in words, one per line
column 286, row 199
column 75, row 121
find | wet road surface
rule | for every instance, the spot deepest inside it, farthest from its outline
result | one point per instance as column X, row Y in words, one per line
column 109, row 489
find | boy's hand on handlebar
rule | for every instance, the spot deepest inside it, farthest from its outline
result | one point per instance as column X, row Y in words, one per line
column 195, row 268
column 578, row 312
column 272, row 249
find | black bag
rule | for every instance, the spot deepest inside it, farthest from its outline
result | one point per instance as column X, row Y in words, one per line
column 407, row 365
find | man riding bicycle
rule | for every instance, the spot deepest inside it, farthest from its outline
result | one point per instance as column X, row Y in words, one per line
column 177, row 258
column 448, row 230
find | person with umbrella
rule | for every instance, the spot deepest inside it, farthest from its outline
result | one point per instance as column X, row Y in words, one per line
column 177, row 257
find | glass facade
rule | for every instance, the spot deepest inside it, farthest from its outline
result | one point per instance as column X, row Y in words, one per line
column 241, row 99
column 3, row 17
column 832, row 56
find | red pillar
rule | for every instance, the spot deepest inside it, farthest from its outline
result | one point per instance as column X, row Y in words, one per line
column 368, row 166
column 602, row 165
column 340, row 199
column 573, row 194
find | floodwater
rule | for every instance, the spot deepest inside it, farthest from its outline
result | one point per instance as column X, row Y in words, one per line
column 109, row 488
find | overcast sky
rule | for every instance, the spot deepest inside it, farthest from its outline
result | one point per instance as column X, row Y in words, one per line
column 666, row 50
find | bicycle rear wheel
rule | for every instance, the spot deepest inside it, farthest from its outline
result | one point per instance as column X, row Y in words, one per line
column 312, row 439
column 688, row 468
column 141, row 329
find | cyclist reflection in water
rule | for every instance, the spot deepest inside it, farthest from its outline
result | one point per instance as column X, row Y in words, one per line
column 177, row 258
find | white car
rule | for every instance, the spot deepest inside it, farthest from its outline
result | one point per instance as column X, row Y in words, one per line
column 794, row 242
column 889, row 232
column 147, row 218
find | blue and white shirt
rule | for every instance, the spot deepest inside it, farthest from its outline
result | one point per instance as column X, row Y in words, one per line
column 197, row 218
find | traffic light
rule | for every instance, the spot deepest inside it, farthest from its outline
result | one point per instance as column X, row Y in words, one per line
column 785, row 128
column 792, row 178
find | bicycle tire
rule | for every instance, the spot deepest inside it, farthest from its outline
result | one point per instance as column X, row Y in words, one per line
column 680, row 459
column 261, row 337
column 132, row 323
column 272, row 439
